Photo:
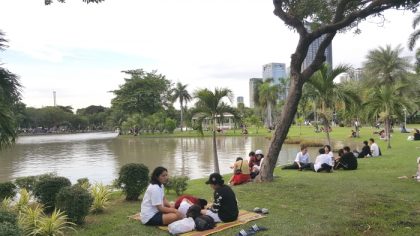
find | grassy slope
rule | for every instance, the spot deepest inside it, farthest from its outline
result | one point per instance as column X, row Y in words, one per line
column 371, row 200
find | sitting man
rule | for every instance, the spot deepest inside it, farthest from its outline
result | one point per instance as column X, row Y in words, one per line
column 323, row 162
column 374, row 148
column 347, row 160
column 365, row 150
column 225, row 206
column 301, row 160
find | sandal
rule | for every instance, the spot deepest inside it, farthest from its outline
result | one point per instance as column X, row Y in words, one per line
column 257, row 228
column 257, row 210
column 264, row 211
column 242, row 232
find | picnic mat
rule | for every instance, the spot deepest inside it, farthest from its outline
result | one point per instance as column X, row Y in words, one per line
column 243, row 218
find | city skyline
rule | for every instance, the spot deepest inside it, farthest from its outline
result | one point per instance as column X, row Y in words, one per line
column 81, row 58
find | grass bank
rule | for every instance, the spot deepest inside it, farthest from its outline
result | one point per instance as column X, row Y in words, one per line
column 368, row 201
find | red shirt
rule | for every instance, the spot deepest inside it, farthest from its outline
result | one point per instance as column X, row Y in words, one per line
column 192, row 199
column 254, row 161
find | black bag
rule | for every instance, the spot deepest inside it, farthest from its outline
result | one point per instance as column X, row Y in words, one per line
column 204, row 222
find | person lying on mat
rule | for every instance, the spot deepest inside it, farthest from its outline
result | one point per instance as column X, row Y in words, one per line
column 225, row 206
column 155, row 209
column 184, row 202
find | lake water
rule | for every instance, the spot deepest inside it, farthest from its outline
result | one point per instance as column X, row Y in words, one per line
column 99, row 156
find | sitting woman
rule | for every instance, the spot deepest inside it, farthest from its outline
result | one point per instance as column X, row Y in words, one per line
column 353, row 134
column 241, row 173
column 365, row 151
column 155, row 209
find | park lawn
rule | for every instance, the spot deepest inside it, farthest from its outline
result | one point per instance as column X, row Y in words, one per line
column 370, row 200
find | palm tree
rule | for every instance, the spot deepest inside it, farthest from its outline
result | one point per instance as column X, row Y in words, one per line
column 268, row 96
column 9, row 97
column 384, row 66
column 210, row 106
column 415, row 35
column 181, row 93
column 388, row 101
column 327, row 94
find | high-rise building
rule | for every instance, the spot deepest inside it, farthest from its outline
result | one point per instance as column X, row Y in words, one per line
column 275, row 71
column 312, row 50
column 252, row 87
column 239, row 100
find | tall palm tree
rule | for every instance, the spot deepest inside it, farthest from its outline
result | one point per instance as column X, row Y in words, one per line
column 268, row 96
column 388, row 101
column 9, row 96
column 384, row 66
column 416, row 34
column 327, row 94
column 210, row 106
column 180, row 92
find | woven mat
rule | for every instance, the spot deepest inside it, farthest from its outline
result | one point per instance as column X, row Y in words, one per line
column 243, row 218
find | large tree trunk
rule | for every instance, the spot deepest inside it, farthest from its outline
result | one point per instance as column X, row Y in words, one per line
column 215, row 157
column 283, row 124
column 269, row 116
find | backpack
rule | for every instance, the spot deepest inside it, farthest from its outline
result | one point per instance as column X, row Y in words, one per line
column 204, row 222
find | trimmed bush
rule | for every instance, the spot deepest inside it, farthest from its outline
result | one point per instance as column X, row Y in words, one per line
column 29, row 182
column 46, row 190
column 100, row 194
column 178, row 184
column 7, row 190
column 84, row 183
column 75, row 201
column 170, row 125
column 8, row 224
column 133, row 179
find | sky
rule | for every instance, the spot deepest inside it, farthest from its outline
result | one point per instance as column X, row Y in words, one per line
column 79, row 50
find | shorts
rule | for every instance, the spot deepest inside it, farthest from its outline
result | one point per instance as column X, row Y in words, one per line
column 157, row 219
column 213, row 215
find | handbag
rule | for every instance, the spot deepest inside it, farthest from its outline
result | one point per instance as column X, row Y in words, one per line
column 239, row 171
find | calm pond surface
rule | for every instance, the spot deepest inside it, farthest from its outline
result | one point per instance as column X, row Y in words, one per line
column 99, row 156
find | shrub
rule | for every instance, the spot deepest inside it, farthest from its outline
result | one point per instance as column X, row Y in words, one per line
column 55, row 224
column 84, row 183
column 178, row 184
column 133, row 179
column 75, row 201
column 29, row 182
column 8, row 224
column 7, row 190
column 29, row 218
column 100, row 194
column 46, row 190
column 23, row 201
column 170, row 125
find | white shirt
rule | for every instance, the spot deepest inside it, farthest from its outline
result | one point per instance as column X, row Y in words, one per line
column 374, row 149
column 153, row 197
column 321, row 159
column 303, row 158
column 183, row 207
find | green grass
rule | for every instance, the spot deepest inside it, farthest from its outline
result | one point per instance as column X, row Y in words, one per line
column 368, row 201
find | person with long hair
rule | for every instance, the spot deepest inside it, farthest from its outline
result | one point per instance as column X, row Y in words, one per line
column 155, row 209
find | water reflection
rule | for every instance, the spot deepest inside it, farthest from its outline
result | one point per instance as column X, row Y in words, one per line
column 99, row 158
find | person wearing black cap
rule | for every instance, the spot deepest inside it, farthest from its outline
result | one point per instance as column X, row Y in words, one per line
column 225, row 206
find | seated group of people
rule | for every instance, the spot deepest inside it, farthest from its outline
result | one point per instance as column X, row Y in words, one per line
column 156, row 210
column 244, row 170
column 416, row 135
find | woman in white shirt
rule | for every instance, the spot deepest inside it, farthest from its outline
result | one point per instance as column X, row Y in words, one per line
column 155, row 209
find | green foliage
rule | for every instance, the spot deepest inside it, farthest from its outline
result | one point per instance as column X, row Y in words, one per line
column 46, row 190
column 75, row 201
column 56, row 224
column 8, row 224
column 144, row 93
column 7, row 190
column 170, row 125
column 133, row 179
column 23, row 201
column 100, row 194
column 29, row 182
column 83, row 183
column 178, row 184
column 29, row 218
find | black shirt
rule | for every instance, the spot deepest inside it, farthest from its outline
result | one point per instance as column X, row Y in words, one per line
column 365, row 151
column 349, row 161
column 225, row 204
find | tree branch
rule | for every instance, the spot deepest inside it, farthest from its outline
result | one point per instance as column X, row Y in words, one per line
column 288, row 18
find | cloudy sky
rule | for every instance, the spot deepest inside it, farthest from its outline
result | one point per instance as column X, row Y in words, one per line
column 79, row 50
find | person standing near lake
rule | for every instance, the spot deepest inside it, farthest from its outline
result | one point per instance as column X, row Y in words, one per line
column 155, row 209
column 225, row 206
